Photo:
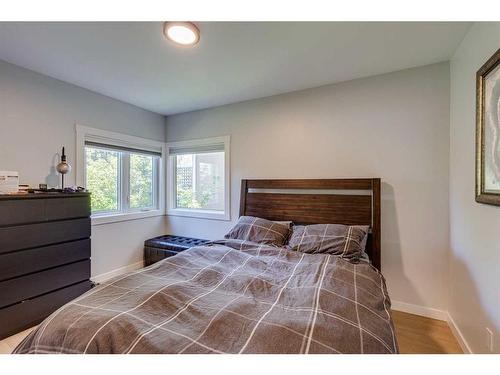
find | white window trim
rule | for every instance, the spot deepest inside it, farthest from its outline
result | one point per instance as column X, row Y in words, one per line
column 202, row 214
column 85, row 132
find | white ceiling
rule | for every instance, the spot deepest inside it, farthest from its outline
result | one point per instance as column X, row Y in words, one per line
column 233, row 62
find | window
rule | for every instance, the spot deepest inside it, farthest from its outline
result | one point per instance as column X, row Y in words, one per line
column 199, row 178
column 102, row 178
column 123, row 174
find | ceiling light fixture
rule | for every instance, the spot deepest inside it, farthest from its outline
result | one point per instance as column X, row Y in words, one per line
column 182, row 33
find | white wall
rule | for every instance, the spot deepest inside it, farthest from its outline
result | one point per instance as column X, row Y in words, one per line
column 38, row 116
column 474, row 301
column 393, row 126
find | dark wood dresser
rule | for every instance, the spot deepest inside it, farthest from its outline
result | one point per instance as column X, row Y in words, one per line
column 44, row 256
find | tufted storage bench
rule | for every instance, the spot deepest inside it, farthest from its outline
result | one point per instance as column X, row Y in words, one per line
column 158, row 248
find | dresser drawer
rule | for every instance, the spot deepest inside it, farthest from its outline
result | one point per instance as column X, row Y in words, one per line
column 14, row 212
column 67, row 208
column 33, row 210
column 28, row 261
column 42, row 234
column 27, row 314
column 29, row 286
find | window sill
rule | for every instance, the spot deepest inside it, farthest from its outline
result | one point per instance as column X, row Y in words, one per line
column 116, row 218
column 199, row 214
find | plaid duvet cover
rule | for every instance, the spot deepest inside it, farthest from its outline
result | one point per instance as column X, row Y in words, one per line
column 232, row 296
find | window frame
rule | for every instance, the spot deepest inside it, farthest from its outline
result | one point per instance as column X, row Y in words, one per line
column 84, row 133
column 172, row 210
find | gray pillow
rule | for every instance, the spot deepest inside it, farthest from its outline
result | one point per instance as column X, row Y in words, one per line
column 259, row 230
column 336, row 239
column 285, row 223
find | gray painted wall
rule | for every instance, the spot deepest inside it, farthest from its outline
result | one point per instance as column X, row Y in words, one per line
column 393, row 126
column 38, row 116
column 475, row 228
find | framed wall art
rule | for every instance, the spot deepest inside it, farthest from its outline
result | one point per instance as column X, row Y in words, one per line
column 488, row 131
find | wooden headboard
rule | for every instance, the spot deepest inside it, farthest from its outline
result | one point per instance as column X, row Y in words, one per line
column 353, row 201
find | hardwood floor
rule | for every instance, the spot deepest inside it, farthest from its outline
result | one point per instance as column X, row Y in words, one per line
column 415, row 334
column 8, row 344
column 420, row 335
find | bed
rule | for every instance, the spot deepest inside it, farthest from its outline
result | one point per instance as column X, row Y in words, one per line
column 238, row 296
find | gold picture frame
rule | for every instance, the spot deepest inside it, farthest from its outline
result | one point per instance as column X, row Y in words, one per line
column 488, row 131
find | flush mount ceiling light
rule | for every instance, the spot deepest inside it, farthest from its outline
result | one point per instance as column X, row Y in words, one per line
column 181, row 33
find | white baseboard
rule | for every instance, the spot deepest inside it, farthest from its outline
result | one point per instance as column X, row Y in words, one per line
column 117, row 272
column 428, row 312
column 458, row 335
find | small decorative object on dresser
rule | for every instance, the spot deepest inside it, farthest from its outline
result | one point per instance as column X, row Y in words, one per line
column 9, row 182
column 44, row 256
column 63, row 167
column 158, row 248
column 488, row 131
